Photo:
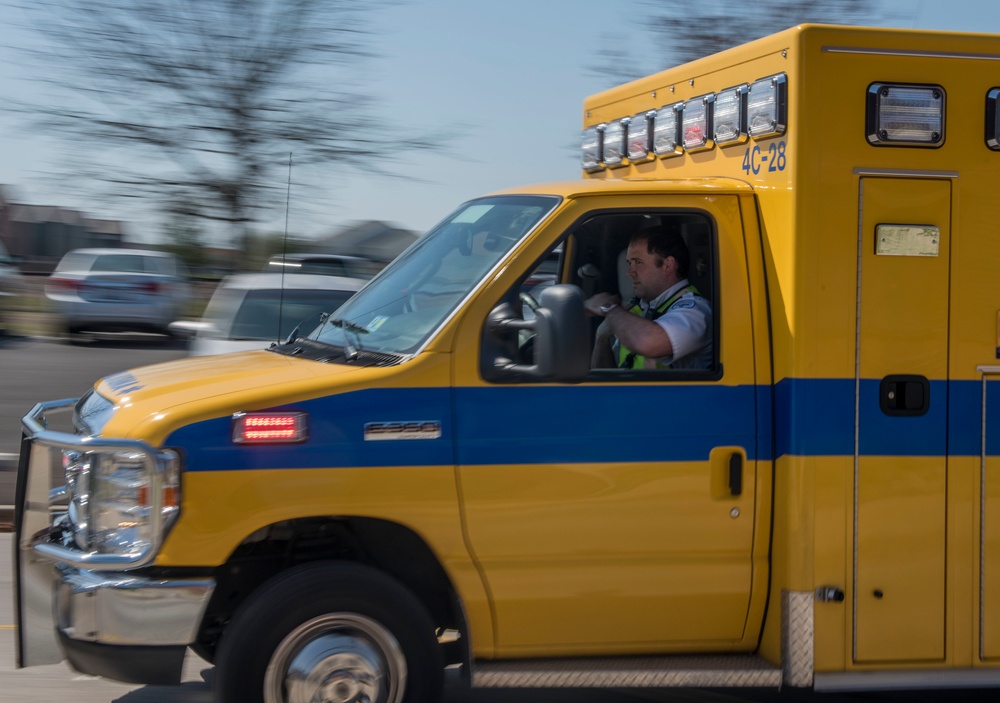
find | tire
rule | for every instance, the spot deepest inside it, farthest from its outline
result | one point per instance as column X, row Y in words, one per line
column 74, row 336
column 354, row 631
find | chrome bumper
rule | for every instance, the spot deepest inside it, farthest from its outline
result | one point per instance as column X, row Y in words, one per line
column 117, row 608
column 55, row 599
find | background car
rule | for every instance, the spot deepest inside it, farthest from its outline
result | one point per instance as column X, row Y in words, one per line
column 251, row 310
column 324, row 264
column 117, row 290
column 545, row 275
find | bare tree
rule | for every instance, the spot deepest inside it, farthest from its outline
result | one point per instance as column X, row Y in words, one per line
column 684, row 35
column 197, row 104
column 682, row 32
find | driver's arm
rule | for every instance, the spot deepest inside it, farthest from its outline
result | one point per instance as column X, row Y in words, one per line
column 603, row 355
column 642, row 336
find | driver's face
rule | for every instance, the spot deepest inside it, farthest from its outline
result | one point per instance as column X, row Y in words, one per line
column 650, row 274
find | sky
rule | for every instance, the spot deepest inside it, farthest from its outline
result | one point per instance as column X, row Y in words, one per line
column 504, row 81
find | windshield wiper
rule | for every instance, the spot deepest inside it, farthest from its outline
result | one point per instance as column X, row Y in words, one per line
column 351, row 351
column 294, row 334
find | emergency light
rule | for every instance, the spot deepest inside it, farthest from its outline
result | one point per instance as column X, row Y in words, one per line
column 993, row 119
column 731, row 115
column 640, row 136
column 734, row 115
column 905, row 115
column 697, row 133
column 269, row 428
column 767, row 106
column 667, row 131
column 614, row 142
column 591, row 148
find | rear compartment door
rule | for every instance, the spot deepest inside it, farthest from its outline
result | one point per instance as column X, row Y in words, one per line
column 989, row 537
column 900, row 483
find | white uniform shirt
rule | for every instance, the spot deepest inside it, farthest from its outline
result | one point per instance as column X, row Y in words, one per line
column 688, row 323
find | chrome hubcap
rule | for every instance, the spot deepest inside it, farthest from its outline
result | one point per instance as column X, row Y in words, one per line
column 337, row 658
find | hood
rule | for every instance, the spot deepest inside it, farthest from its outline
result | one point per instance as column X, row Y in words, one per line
column 150, row 401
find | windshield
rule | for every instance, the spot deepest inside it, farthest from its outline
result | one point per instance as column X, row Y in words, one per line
column 399, row 310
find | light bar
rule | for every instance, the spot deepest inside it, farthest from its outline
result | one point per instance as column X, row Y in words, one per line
column 667, row 131
column 640, row 136
column 767, row 106
column 993, row 119
column 592, row 139
column 614, row 142
column 730, row 116
column 696, row 123
column 905, row 115
column 269, row 428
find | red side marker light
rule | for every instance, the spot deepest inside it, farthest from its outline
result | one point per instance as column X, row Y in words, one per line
column 270, row 428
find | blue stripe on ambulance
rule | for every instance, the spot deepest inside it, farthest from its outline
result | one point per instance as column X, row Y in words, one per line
column 602, row 424
column 815, row 417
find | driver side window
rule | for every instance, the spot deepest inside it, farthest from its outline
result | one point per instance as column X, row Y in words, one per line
column 667, row 277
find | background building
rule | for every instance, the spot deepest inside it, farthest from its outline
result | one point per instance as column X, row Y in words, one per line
column 39, row 235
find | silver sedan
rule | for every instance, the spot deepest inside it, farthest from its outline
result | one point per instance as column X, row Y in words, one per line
column 117, row 290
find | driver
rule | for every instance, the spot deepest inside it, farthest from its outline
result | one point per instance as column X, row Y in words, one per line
column 668, row 325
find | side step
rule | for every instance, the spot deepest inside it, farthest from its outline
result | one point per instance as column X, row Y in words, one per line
column 715, row 671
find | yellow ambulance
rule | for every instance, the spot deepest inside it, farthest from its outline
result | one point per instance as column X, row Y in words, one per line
column 443, row 475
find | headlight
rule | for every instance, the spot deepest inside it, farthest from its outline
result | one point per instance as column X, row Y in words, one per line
column 77, row 468
column 121, row 501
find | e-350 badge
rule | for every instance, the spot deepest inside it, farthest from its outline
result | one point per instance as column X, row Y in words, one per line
column 380, row 431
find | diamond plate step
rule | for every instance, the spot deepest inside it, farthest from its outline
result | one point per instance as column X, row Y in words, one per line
column 727, row 670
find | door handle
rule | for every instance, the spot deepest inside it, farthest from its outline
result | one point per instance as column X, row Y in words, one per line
column 904, row 395
column 726, row 464
column 735, row 474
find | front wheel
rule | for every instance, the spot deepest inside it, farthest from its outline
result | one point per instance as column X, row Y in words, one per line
column 330, row 633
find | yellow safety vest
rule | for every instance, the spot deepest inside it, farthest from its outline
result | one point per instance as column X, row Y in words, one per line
column 631, row 360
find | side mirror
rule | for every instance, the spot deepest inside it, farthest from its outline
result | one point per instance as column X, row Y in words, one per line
column 561, row 339
column 463, row 233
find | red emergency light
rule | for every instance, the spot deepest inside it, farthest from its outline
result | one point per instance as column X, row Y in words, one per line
column 270, row 428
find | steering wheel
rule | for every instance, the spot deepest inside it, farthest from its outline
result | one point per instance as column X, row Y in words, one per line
column 529, row 301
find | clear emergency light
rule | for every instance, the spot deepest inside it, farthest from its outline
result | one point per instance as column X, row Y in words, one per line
column 640, row 136
column 269, row 428
column 697, row 133
column 730, row 116
column 614, row 142
column 993, row 119
column 905, row 115
column 591, row 148
column 667, row 131
column 767, row 106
